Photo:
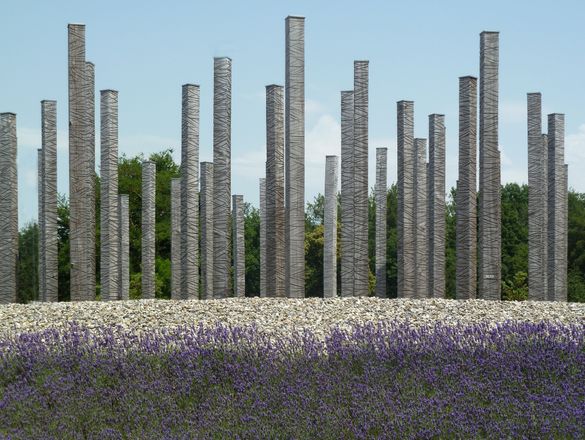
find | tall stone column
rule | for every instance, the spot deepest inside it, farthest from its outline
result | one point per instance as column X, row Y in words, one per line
column 90, row 180
column 537, row 209
column 49, row 185
column 109, row 223
column 275, row 191
column 330, row 227
column 406, row 215
column 436, row 206
column 8, row 208
column 148, row 228
column 381, row 194
column 557, row 222
column 466, row 226
column 176, row 238
column 347, row 195
column 222, row 122
column 295, row 157
column 124, row 247
column 206, row 230
column 263, row 237
column 420, row 220
column 490, row 225
column 189, row 198
column 239, row 249
column 41, row 227
column 78, row 138
column 361, row 208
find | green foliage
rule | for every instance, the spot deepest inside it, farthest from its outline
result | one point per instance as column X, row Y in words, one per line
column 576, row 286
column 28, row 263
column 514, row 230
column 516, row 289
column 252, row 246
column 450, row 237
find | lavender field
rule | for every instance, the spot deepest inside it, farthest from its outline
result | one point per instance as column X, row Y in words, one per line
column 387, row 380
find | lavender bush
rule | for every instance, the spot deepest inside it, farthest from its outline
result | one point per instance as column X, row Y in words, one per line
column 377, row 381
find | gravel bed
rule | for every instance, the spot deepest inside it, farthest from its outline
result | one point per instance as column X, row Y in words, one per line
column 277, row 315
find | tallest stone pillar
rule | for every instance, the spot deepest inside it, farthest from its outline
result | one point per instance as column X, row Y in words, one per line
column 295, row 158
column 490, row 245
column 222, row 123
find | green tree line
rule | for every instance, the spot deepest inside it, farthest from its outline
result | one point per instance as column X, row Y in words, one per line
column 514, row 239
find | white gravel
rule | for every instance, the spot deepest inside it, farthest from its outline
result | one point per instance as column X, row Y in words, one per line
column 278, row 315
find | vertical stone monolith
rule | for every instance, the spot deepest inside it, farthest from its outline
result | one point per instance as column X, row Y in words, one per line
column 176, row 239
column 466, row 196
column 421, row 239
column 295, row 157
column 239, row 250
column 8, row 208
column 41, row 227
column 490, row 228
column 124, row 247
column 263, row 249
column 189, row 192
column 206, row 211
column 148, row 228
column 275, row 191
column 222, row 121
column 330, row 227
column 90, row 177
column 347, row 195
column 381, row 194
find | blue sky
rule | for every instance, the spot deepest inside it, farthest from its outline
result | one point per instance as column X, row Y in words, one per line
column 417, row 50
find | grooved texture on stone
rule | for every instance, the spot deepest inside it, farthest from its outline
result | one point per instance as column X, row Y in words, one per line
column 436, row 206
column 421, row 240
column 222, row 121
column 189, row 199
column 206, row 212
column 90, row 182
column 239, row 244
column 49, row 189
column 330, row 227
column 381, row 195
column 406, row 214
column 124, row 247
column 176, row 238
column 537, row 197
column 8, row 208
column 109, row 223
column 148, row 229
column 274, row 214
column 295, row 157
column 41, row 227
column 361, row 208
column 557, row 205
column 263, row 249
column 466, row 196
column 490, row 226
column 347, row 195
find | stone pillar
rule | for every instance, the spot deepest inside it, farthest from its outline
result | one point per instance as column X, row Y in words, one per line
column 263, row 237
column 557, row 223
column 206, row 230
column 347, row 195
column 330, row 227
column 239, row 249
column 90, row 180
column 109, row 223
column 405, row 226
column 222, row 121
column 49, row 185
column 8, row 208
column 421, row 238
column 537, row 209
column 295, row 157
column 381, row 194
column 189, row 197
column 78, row 137
column 41, row 227
column 148, row 229
column 176, row 238
column 466, row 198
column 275, row 191
column 436, row 206
column 490, row 224
column 124, row 247
column 361, row 208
